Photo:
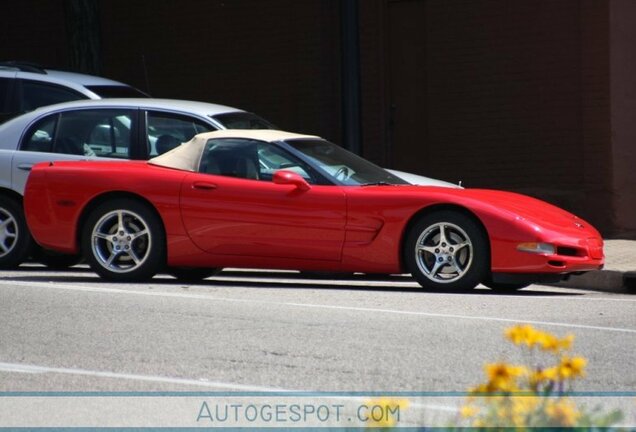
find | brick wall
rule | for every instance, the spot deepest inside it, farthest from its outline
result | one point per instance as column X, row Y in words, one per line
column 32, row 30
column 497, row 93
column 277, row 58
column 623, row 114
column 501, row 94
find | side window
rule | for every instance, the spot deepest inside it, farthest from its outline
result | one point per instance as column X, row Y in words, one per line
column 39, row 137
column 6, row 109
column 166, row 131
column 232, row 157
column 36, row 94
column 5, row 85
column 249, row 159
column 100, row 132
column 272, row 158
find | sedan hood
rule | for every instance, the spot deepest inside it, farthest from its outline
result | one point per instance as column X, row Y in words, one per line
column 419, row 180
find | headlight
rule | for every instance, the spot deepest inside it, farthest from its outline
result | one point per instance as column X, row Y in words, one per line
column 538, row 248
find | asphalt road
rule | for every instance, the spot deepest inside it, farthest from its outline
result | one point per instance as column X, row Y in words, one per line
column 70, row 331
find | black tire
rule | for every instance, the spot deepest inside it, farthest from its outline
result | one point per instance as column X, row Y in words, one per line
column 55, row 260
column 16, row 242
column 185, row 274
column 504, row 287
column 436, row 261
column 124, row 240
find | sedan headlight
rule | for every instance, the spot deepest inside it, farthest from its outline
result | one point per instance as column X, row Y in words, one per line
column 538, row 248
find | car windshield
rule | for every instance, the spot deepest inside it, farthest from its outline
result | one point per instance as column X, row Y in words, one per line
column 112, row 91
column 342, row 166
column 242, row 120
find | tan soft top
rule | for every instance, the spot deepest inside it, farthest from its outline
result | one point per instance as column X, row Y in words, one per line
column 187, row 156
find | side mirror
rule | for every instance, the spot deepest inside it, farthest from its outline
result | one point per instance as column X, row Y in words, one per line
column 291, row 178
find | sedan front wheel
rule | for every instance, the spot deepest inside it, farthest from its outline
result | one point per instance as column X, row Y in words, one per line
column 447, row 250
column 124, row 240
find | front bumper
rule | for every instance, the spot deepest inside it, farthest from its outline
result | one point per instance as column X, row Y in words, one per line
column 570, row 256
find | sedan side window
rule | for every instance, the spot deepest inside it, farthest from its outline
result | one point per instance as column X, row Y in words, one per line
column 99, row 132
column 166, row 131
column 39, row 137
column 111, row 136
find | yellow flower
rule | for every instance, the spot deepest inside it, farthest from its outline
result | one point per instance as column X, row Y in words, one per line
column 563, row 412
column 522, row 334
column 479, row 423
column 384, row 412
column 542, row 377
column 571, row 367
column 524, row 397
column 566, row 343
column 503, row 371
column 548, row 342
column 503, row 376
column 529, row 336
column 469, row 411
column 522, row 405
column 551, row 343
column 481, row 388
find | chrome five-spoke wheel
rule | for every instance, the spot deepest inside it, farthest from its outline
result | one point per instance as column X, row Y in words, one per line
column 15, row 239
column 444, row 252
column 124, row 240
column 121, row 241
column 447, row 250
column 8, row 232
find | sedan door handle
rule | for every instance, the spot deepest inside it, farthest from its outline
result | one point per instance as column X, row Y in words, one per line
column 25, row 166
column 203, row 185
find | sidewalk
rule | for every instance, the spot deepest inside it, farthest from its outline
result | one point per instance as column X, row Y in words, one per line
column 619, row 273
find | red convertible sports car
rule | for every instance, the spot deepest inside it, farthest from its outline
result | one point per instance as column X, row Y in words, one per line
column 272, row 199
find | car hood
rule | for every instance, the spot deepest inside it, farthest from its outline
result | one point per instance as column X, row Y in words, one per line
column 538, row 213
column 531, row 209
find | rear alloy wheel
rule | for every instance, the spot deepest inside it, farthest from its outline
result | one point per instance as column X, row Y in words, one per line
column 448, row 251
column 15, row 240
column 123, row 240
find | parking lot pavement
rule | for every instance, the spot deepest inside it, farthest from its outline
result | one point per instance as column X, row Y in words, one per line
column 618, row 275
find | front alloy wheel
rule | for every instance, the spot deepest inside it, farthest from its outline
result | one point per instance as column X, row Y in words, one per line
column 447, row 250
column 124, row 240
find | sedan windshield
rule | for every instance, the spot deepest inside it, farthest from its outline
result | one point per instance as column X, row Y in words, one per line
column 242, row 120
column 341, row 166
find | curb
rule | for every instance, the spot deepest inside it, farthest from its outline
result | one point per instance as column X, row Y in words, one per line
column 603, row 280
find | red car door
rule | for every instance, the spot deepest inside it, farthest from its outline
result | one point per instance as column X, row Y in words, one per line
column 237, row 216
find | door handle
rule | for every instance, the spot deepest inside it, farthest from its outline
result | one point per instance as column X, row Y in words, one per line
column 203, row 185
column 25, row 166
